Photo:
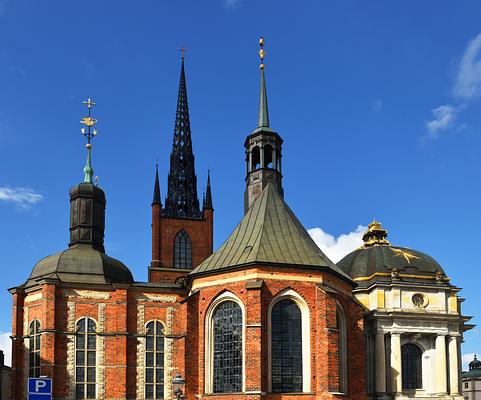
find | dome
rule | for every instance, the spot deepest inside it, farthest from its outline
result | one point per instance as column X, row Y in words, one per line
column 474, row 369
column 81, row 264
column 378, row 260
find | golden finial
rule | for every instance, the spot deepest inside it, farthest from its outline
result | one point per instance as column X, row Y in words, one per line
column 89, row 122
column 261, row 52
column 89, row 133
column 375, row 235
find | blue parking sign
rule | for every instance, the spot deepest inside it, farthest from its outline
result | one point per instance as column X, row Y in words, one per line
column 40, row 388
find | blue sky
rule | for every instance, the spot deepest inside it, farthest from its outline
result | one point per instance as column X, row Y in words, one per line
column 378, row 103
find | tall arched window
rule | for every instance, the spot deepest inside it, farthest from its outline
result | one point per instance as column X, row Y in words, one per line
column 286, row 347
column 154, row 361
column 34, row 349
column 412, row 374
column 86, row 359
column 182, row 250
column 342, row 348
column 227, row 348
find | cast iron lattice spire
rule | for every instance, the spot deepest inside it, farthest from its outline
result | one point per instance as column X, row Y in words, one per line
column 182, row 200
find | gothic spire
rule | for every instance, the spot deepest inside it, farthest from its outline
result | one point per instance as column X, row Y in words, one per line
column 263, row 121
column 208, row 195
column 182, row 200
column 156, row 199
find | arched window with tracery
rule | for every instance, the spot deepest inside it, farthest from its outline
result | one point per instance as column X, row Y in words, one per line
column 182, row 250
column 286, row 347
column 86, row 359
column 412, row 374
column 227, row 348
column 342, row 348
column 154, row 361
column 34, row 344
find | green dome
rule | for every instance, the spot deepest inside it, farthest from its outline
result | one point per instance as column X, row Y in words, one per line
column 379, row 260
column 81, row 264
column 474, row 369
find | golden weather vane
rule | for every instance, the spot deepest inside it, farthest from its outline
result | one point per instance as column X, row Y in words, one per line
column 89, row 122
column 89, row 133
column 261, row 52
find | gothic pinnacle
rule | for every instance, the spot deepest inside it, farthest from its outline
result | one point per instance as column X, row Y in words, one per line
column 156, row 197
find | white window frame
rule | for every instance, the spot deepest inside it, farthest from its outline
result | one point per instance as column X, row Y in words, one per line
column 145, row 357
column 97, row 369
column 209, row 339
column 290, row 294
column 35, row 349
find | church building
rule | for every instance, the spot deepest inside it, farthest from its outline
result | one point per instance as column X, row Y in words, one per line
column 266, row 316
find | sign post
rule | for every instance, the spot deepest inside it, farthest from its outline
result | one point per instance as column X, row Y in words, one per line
column 39, row 388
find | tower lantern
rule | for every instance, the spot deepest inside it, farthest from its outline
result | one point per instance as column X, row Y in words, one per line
column 263, row 148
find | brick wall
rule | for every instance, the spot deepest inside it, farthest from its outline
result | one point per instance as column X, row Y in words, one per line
column 122, row 311
column 164, row 231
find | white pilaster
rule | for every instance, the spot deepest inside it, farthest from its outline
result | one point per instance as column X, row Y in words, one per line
column 396, row 367
column 453, row 366
column 441, row 365
column 380, row 360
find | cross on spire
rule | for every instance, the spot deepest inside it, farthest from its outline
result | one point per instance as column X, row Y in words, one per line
column 182, row 51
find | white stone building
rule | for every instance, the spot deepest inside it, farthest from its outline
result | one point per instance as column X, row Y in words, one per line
column 414, row 324
column 472, row 381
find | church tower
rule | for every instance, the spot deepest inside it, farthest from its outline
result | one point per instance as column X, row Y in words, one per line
column 263, row 150
column 182, row 233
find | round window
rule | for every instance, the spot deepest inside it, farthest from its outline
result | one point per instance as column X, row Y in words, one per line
column 419, row 300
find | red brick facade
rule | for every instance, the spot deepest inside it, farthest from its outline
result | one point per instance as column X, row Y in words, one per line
column 164, row 230
column 122, row 311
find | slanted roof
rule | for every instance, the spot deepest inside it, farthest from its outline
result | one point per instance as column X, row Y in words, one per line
column 268, row 233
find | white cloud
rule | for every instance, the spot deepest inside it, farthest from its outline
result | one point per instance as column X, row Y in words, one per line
column 232, row 4
column 23, row 197
column 337, row 248
column 444, row 118
column 6, row 346
column 468, row 80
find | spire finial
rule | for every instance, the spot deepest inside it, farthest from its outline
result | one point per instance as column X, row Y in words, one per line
column 375, row 235
column 261, row 52
column 182, row 51
column 89, row 133
column 263, row 111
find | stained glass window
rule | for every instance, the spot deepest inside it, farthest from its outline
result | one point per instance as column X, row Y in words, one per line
column 412, row 377
column 154, row 361
column 182, row 250
column 34, row 349
column 85, row 359
column 227, row 321
column 286, row 345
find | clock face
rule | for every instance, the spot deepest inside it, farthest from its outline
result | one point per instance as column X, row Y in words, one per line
column 418, row 300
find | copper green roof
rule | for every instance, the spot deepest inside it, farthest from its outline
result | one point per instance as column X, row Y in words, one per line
column 268, row 233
